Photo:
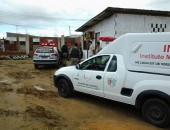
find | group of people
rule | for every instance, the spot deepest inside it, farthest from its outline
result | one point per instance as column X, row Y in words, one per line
column 94, row 49
column 74, row 54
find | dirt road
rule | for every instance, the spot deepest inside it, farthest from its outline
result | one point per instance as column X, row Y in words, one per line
column 29, row 101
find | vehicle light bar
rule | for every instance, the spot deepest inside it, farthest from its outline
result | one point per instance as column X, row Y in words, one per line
column 48, row 44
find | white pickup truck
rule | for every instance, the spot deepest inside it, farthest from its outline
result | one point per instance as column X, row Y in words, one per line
column 133, row 69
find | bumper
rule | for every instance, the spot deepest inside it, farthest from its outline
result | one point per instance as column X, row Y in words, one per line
column 45, row 62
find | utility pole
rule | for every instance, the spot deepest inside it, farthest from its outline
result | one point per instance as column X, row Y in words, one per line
column 17, row 39
column 62, row 40
column 26, row 31
column 17, row 29
column 69, row 31
column 27, row 44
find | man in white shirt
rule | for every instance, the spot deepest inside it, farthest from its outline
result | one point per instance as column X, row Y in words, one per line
column 91, row 50
column 94, row 49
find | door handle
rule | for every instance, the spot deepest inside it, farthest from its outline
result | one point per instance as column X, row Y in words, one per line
column 98, row 77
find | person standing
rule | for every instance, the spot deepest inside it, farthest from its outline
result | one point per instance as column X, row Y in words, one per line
column 74, row 54
column 64, row 54
column 97, row 47
column 80, row 52
column 64, row 49
column 91, row 50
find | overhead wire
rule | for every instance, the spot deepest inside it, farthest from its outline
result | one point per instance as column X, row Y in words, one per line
column 10, row 14
column 25, row 26
column 6, row 16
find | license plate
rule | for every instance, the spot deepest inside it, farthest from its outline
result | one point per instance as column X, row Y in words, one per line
column 43, row 57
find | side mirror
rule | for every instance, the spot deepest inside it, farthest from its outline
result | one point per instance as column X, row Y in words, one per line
column 78, row 66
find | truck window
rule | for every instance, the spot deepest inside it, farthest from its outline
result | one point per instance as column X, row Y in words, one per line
column 97, row 63
column 113, row 65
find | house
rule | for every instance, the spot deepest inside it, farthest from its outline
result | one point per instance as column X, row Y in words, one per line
column 114, row 22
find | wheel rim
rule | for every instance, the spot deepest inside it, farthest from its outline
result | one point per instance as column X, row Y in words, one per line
column 156, row 112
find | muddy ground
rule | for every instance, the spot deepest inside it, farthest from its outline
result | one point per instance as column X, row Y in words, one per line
column 29, row 101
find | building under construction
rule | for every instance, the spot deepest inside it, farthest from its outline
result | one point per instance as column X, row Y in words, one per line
column 26, row 44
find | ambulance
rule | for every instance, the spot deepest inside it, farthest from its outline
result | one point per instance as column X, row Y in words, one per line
column 133, row 69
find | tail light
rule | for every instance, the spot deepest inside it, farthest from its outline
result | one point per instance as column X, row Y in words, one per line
column 35, row 55
column 52, row 44
column 54, row 54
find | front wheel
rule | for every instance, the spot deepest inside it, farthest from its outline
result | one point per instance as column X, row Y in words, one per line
column 64, row 88
column 156, row 112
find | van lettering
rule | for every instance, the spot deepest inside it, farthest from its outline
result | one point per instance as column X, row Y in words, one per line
column 167, row 56
column 166, row 48
column 151, row 56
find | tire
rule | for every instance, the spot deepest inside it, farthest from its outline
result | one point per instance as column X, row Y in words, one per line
column 156, row 112
column 64, row 88
column 35, row 66
column 64, row 62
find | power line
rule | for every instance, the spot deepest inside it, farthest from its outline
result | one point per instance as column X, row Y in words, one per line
column 19, row 17
column 6, row 16
column 34, row 26
column 24, row 26
column 22, row 15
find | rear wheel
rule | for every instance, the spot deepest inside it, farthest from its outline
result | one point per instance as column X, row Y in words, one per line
column 64, row 88
column 35, row 66
column 156, row 112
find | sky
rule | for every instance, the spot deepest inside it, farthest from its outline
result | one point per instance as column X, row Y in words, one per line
column 54, row 18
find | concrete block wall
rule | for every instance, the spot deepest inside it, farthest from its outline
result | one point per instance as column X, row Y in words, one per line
column 119, row 24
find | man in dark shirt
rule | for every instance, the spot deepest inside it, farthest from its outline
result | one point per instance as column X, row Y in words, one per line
column 74, row 54
column 64, row 54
